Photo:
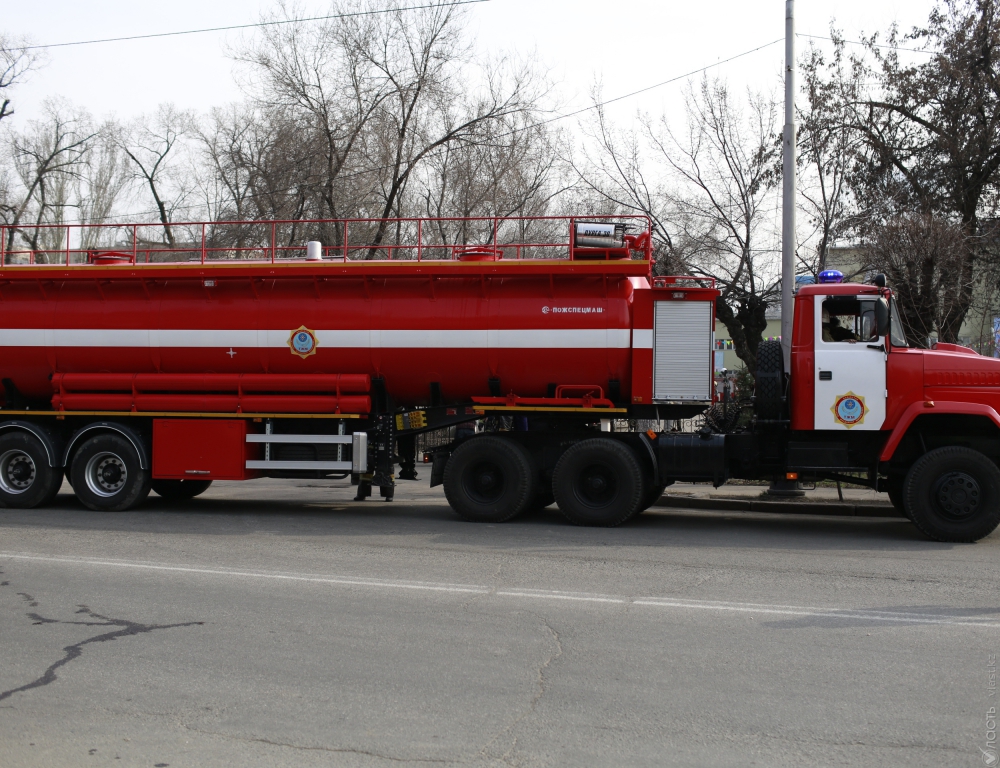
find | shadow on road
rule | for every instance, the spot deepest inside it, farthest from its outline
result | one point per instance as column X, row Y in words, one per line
column 318, row 510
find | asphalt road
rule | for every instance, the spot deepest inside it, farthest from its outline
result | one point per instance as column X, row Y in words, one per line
column 278, row 623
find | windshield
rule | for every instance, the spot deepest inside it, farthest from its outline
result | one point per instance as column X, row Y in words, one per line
column 896, row 335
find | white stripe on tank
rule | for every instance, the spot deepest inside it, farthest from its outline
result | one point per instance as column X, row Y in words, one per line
column 408, row 338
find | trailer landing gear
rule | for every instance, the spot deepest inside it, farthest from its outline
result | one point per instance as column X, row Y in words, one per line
column 365, row 490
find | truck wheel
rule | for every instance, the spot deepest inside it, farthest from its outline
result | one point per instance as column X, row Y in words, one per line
column 894, row 489
column 652, row 496
column 179, row 490
column 543, row 498
column 489, row 480
column 26, row 479
column 953, row 494
column 599, row 482
column 107, row 476
column 769, row 380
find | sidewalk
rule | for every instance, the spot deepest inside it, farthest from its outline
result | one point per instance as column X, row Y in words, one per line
column 858, row 502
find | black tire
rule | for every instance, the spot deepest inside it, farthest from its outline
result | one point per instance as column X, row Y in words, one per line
column 894, row 489
column 107, row 476
column 179, row 490
column 26, row 479
column 599, row 482
column 489, row 480
column 543, row 497
column 722, row 419
column 652, row 496
column 769, row 381
column 953, row 494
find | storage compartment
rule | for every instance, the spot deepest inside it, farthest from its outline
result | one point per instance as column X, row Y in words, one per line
column 209, row 449
column 682, row 351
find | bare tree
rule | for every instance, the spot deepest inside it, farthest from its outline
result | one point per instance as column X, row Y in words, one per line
column 100, row 184
column 45, row 157
column 712, row 206
column 930, row 132
column 924, row 257
column 365, row 116
column 314, row 89
column 827, row 148
column 509, row 167
column 152, row 145
column 614, row 176
column 729, row 159
column 17, row 59
column 428, row 99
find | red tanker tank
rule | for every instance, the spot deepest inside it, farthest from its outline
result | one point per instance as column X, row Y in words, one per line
column 482, row 322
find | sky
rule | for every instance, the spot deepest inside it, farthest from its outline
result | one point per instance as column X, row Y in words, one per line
column 627, row 45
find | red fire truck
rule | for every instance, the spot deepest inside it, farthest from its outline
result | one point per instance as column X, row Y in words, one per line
column 244, row 351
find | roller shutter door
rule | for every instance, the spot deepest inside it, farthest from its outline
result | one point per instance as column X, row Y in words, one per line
column 682, row 350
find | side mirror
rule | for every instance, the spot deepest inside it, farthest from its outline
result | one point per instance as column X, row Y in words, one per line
column 880, row 280
column 882, row 317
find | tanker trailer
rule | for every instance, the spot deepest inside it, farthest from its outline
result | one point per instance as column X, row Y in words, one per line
column 235, row 356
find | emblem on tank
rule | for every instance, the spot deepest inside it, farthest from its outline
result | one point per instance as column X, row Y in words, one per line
column 849, row 409
column 303, row 342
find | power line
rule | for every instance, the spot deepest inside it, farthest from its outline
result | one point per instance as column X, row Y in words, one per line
column 859, row 42
column 648, row 87
column 258, row 24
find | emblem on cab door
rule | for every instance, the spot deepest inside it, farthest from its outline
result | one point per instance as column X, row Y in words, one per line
column 303, row 342
column 849, row 410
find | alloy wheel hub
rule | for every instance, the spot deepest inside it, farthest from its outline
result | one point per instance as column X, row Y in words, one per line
column 17, row 472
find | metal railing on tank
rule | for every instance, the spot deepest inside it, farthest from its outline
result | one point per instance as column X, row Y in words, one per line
column 328, row 240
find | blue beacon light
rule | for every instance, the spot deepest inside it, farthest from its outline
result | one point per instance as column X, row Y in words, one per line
column 831, row 276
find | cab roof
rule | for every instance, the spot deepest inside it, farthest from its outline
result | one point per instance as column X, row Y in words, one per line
column 838, row 289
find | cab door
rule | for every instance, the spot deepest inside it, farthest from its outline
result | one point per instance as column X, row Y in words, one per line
column 850, row 364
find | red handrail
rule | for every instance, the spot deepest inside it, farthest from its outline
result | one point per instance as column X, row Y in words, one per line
column 557, row 243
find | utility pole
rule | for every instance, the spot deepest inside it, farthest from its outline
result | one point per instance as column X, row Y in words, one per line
column 782, row 487
column 788, row 188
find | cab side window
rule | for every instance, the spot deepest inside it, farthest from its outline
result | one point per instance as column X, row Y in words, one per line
column 848, row 320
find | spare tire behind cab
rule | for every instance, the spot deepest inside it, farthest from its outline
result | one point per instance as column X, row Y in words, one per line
column 769, row 381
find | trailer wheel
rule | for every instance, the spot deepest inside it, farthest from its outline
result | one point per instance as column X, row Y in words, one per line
column 953, row 494
column 179, row 490
column 599, row 482
column 107, row 476
column 489, row 480
column 26, row 479
column 769, row 380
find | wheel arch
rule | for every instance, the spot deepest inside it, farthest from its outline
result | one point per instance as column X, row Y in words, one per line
column 109, row 427
column 939, row 419
column 50, row 443
column 642, row 447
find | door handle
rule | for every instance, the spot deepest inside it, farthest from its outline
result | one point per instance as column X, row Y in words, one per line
column 826, row 375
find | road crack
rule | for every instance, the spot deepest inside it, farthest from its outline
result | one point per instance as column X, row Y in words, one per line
column 72, row 652
column 542, row 685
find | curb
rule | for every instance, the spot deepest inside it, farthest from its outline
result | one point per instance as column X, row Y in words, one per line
column 780, row 507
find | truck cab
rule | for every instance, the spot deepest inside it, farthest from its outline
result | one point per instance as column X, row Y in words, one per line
column 862, row 405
